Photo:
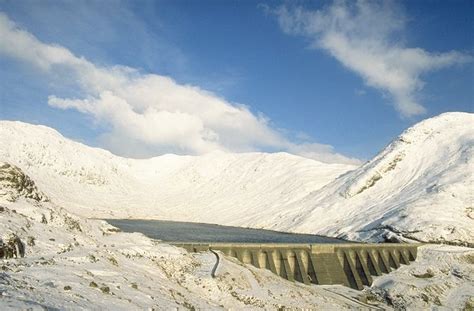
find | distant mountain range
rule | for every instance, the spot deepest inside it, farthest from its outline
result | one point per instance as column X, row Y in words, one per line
column 420, row 187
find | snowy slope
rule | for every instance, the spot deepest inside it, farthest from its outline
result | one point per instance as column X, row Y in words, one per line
column 218, row 187
column 420, row 187
column 72, row 263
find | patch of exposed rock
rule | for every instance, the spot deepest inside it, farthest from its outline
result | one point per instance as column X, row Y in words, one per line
column 14, row 184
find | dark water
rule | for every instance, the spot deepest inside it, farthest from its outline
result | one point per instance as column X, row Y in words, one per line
column 175, row 231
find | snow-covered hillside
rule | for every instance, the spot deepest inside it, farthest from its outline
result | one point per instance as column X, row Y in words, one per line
column 74, row 263
column 419, row 187
column 218, row 187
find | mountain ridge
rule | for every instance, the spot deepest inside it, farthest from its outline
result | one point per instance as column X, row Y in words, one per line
column 91, row 181
column 417, row 188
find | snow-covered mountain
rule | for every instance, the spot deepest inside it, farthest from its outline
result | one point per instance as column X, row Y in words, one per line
column 419, row 187
column 217, row 187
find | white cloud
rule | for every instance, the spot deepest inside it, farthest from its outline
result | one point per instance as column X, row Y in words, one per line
column 362, row 36
column 149, row 114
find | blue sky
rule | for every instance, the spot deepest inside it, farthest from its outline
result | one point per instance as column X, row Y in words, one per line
column 291, row 76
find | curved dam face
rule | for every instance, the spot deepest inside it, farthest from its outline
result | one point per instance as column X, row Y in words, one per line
column 352, row 265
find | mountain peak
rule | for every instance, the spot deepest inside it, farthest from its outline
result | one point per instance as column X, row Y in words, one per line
column 418, row 187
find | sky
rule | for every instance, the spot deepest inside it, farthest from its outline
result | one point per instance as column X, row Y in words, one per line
column 331, row 80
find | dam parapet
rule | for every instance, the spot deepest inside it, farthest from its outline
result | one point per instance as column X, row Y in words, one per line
column 351, row 264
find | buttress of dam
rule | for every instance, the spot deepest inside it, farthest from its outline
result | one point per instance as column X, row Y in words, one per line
column 352, row 265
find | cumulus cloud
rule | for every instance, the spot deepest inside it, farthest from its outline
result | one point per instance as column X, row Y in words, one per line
column 148, row 114
column 364, row 37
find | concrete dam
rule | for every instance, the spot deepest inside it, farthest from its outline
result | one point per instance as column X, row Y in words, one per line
column 352, row 265
column 310, row 259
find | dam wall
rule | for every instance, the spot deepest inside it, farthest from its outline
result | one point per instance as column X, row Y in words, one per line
column 352, row 265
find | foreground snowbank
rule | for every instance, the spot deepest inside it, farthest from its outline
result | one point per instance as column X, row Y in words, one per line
column 442, row 276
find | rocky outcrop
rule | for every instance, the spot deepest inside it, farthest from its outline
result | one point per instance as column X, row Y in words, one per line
column 11, row 247
column 14, row 184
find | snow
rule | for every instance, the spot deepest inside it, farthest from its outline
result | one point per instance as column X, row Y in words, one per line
column 441, row 277
column 419, row 187
column 92, row 267
column 96, row 268
column 218, row 187
column 77, row 263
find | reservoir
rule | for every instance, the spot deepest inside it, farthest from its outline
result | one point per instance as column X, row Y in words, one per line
column 176, row 231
